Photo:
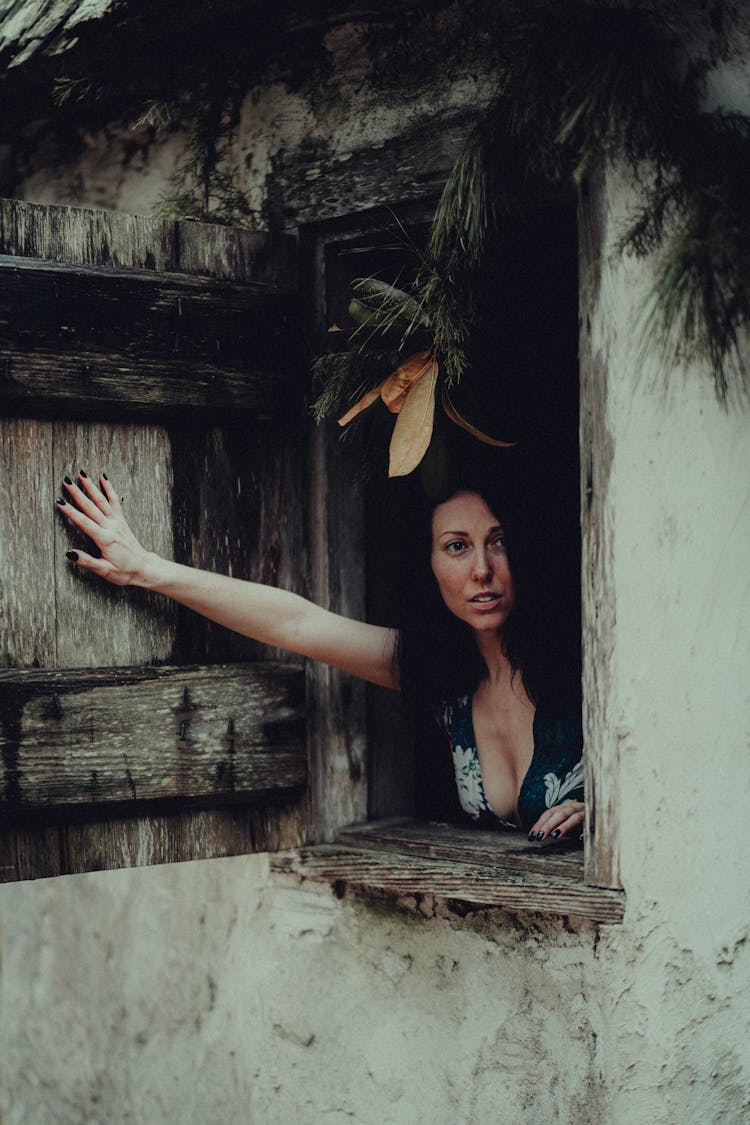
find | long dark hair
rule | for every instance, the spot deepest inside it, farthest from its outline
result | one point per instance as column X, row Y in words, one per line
column 438, row 659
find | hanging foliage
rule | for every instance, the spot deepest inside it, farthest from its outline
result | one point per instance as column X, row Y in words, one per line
column 206, row 184
column 581, row 85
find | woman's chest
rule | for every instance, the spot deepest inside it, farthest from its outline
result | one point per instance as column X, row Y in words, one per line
column 504, row 739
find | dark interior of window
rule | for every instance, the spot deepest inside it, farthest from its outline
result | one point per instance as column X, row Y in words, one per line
column 522, row 387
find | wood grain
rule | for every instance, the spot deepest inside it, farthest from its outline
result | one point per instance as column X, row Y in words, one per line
column 97, row 738
column 96, row 763
column 433, row 840
column 598, row 601
column 37, row 850
column 28, row 605
column 98, row 624
column 412, row 166
column 337, row 738
column 399, row 874
column 85, row 236
column 109, row 342
column 238, row 509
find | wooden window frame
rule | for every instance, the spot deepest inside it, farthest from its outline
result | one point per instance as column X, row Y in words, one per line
column 405, row 857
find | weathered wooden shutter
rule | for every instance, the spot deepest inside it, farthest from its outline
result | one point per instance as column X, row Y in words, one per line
column 161, row 353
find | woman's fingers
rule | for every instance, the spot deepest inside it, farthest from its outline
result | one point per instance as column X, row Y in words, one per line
column 101, row 567
column 89, row 508
column 95, row 510
column 111, row 497
column 85, row 523
column 558, row 821
column 87, row 496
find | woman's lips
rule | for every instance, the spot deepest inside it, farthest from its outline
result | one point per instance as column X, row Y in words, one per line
column 486, row 598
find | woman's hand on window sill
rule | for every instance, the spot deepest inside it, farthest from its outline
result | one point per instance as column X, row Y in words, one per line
column 561, row 820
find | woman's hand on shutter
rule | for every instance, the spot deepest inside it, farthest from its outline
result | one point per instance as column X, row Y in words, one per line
column 97, row 513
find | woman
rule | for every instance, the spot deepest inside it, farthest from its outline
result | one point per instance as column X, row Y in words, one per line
column 465, row 644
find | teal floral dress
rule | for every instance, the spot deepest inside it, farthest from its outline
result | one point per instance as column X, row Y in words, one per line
column 555, row 773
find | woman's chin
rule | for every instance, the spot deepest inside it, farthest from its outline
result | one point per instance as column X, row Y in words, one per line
column 489, row 621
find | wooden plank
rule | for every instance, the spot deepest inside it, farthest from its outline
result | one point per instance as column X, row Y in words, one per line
column 412, row 166
column 32, row 850
column 99, row 624
column 116, row 386
column 28, row 610
column 477, row 886
column 337, row 734
column 237, row 511
column 84, row 236
column 102, row 737
column 601, row 761
column 111, row 341
column 434, row 840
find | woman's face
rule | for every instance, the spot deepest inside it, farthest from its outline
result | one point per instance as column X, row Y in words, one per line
column 470, row 562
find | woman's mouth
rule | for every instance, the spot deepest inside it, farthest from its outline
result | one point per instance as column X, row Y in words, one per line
column 485, row 599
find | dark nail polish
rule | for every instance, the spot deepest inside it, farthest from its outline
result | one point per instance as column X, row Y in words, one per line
column 104, row 476
column 81, row 473
column 59, row 500
column 67, row 480
column 555, row 834
column 540, row 835
column 532, row 835
column 72, row 555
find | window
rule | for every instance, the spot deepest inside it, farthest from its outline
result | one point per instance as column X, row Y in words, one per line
column 528, row 359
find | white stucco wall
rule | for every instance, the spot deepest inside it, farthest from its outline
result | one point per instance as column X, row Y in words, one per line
column 212, row 992
column 675, row 1038
column 215, row 991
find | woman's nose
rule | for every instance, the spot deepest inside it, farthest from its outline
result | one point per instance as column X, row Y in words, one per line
column 482, row 569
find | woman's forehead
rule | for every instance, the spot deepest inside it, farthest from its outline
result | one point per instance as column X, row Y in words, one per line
column 461, row 511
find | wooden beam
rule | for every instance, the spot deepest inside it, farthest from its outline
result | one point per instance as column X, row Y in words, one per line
column 601, row 757
column 34, row 850
column 411, row 167
column 492, row 883
column 86, row 236
column 107, row 341
column 433, row 840
column 92, row 738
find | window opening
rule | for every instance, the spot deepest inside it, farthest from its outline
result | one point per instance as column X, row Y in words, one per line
column 522, row 387
column 525, row 378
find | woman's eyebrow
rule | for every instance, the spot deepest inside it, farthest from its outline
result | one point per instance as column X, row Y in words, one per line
column 495, row 527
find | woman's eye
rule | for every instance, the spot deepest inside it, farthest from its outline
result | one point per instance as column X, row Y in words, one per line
column 498, row 543
column 455, row 547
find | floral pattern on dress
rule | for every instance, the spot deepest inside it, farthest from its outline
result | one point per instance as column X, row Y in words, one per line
column 558, row 743
column 469, row 781
column 556, row 790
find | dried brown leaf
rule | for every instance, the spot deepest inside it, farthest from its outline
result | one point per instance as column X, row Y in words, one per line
column 413, row 429
column 396, row 387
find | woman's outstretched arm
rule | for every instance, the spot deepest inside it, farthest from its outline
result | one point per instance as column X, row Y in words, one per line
column 275, row 617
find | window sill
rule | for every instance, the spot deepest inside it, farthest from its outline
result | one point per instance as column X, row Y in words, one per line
column 483, row 869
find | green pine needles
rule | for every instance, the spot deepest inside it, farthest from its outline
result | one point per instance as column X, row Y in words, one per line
column 582, row 85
